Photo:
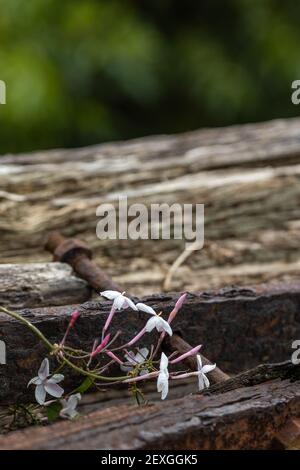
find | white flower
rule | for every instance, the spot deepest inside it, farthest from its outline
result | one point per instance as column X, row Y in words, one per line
column 156, row 321
column 163, row 377
column 45, row 385
column 145, row 308
column 120, row 300
column 202, row 379
column 135, row 360
column 69, row 406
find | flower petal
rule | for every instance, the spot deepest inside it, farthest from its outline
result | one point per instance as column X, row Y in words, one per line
column 68, row 413
column 126, row 368
column 201, row 383
column 145, row 308
column 40, row 394
column 199, row 362
column 56, row 378
column 35, row 381
column 64, row 403
column 164, row 361
column 69, row 406
column 130, row 357
column 141, row 355
column 208, row 368
column 164, row 325
column 206, row 381
column 73, row 414
column 130, row 304
column 53, row 389
column 119, row 302
column 44, row 369
column 151, row 324
column 163, row 385
column 73, row 400
column 110, row 294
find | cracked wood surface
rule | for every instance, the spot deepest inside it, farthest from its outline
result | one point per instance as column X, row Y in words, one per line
column 247, row 176
column 245, row 418
column 40, row 285
column 239, row 329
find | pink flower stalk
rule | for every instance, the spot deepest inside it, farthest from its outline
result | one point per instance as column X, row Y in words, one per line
column 151, row 375
column 75, row 315
column 191, row 352
column 95, row 344
column 109, row 318
column 184, row 376
column 137, row 337
column 114, row 357
column 101, row 346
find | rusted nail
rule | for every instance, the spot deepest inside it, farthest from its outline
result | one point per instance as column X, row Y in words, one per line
column 78, row 255
column 176, row 343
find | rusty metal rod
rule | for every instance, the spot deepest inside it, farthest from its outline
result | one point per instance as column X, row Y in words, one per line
column 77, row 254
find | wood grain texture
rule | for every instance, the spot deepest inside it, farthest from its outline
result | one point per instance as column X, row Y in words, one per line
column 245, row 418
column 247, row 176
column 239, row 328
column 40, row 285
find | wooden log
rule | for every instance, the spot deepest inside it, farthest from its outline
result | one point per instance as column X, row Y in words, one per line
column 239, row 328
column 40, row 285
column 243, row 418
column 255, row 376
column 247, row 177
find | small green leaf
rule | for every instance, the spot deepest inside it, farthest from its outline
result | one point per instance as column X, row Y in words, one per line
column 86, row 384
column 53, row 411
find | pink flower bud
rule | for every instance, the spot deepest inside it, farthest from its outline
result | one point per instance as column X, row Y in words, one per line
column 173, row 314
column 74, row 317
column 101, row 346
column 177, row 307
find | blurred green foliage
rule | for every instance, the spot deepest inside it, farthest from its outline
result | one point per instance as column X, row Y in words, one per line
column 84, row 71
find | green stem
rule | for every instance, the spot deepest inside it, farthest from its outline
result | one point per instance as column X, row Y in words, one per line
column 51, row 347
column 91, row 374
column 79, row 351
column 35, row 330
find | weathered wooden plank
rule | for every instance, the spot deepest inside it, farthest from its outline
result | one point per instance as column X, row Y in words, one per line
column 239, row 328
column 245, row 418
column 40, row 285
column 247, row 176
column 255, row 376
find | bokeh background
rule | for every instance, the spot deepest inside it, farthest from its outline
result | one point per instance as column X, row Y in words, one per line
column 80, row 72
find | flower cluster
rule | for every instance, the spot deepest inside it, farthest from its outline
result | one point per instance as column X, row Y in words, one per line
column 138, row 365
